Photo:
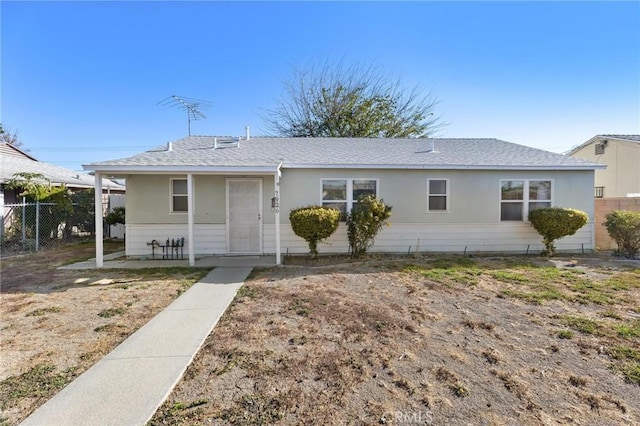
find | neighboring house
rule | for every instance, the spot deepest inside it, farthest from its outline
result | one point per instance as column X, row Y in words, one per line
column 233, row 196
column 13, row 160
column 621, row 154
column 617, row 187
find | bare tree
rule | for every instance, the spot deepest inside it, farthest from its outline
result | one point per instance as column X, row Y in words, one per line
column 10, row 137
column 339, row 101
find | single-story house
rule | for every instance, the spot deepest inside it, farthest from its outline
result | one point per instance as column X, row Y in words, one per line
column 233, row 195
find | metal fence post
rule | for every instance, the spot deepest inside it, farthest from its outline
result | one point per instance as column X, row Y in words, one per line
column 2, row 217
column 24, row 221
column 37, row 225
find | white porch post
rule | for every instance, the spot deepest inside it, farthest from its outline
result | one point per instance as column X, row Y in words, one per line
column 190, row 208
column 277, row 214
column 99, row 226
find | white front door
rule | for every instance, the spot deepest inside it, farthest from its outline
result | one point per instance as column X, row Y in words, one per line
column 244, row 215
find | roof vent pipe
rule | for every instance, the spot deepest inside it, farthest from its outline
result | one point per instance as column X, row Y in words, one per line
column 247, row 130
column 169, row 146
column 215, row 143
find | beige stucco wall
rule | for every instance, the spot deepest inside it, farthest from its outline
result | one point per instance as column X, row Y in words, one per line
column 472, row 222
column 622, row 175
column 474, row 194
column 149, row 199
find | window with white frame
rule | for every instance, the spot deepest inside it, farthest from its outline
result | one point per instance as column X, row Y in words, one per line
column 179, row 197
column 518, row 197
column 437, row 195
column 342, row 194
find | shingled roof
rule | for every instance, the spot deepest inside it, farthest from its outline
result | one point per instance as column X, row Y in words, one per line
column 630, row 138
column 13, row 160
column 208, row 152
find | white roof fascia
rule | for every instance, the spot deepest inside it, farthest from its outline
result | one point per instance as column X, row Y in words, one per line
column 582, row 145
column 617, row 138
column 598, row 138
column 437, row 167
column 181, row 169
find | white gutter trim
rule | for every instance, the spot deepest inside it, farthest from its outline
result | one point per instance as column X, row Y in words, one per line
column 181, row 169
column 439, row 167
column 271, row 169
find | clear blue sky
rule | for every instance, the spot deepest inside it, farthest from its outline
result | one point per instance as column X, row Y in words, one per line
column 81, row 80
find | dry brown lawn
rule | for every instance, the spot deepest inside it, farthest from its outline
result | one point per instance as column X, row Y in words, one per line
column 496, row 341
column 54, row 324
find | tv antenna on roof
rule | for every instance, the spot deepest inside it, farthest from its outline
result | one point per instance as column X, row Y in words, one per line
column 192, row 106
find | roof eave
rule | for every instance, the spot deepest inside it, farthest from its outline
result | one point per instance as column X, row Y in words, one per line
column 443, row 166
column 597, row 138
column 137, row 169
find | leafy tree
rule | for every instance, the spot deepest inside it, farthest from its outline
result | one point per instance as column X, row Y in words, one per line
column 314, row 224
column 366, row 219
column 57, row 202
column 36, row 187
column 553, row 223
column 336, row 101
column 624, row 228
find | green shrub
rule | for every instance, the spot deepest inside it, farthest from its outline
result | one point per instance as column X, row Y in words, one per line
column 83, row 213
column 624, row 227
column 116, row 216
column 314, row 224
column 553, row 223
column 56, row 204
column 366, row 219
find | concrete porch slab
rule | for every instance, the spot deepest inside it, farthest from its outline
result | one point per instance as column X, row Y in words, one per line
column 117, row 261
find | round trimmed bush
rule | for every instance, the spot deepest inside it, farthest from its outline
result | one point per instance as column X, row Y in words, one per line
column 553, row 223
column 314, row 224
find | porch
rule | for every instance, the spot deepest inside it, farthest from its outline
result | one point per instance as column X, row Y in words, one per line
column 218, row 211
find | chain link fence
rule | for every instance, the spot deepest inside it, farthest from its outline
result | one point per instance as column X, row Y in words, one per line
column 36, row 226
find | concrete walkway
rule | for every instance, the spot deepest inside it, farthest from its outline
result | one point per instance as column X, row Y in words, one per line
column 127, row 386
